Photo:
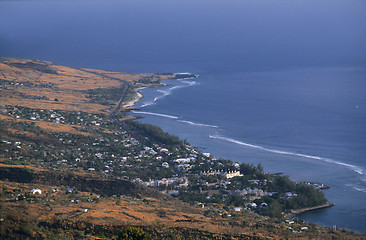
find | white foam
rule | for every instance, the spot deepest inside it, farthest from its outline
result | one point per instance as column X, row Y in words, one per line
column 170, row 90
column 183, row 73
column 186, row 73
column 176, row 118
column 147, row 104
column 189, row 83
column 357, row 188
column 198, row 124
column 157, row 114
column 352, row 167
column 167, row 92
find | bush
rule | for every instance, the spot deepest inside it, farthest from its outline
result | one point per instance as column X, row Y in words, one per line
column 133, row 233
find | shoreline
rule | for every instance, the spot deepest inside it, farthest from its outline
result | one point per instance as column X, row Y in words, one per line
column 137, row 98
column 177, row 76
column 295, row 213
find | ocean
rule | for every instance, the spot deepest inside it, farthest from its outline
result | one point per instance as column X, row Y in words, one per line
column 281, row 83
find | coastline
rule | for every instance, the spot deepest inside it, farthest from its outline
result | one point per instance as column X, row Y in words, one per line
column 295, row 213
column 136, row 99
column 138, row 96
column 102, row 126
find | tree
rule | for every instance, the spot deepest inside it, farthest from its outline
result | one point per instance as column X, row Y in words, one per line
column 247, row 169
column 275, row 210
column 133, row 233
column 259, row 167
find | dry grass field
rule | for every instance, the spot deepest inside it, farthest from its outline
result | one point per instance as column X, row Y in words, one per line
column 43, row 85
column 51, row 207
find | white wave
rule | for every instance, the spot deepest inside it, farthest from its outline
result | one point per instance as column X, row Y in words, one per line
column 147, row 104
column 189, row 75
column 357, row 188
column 189, row 83
column 183, row 73
column 175, row 117
column 363, row 178
column 198, row 124
column 166, row 92
column 175, row 87
column 170, row 90
column 156, row 114
column 352, row 167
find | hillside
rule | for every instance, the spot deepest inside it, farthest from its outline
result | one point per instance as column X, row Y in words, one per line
column 66, row 135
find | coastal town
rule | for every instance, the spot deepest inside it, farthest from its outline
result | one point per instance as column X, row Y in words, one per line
column 115, row 149
column 76, row 150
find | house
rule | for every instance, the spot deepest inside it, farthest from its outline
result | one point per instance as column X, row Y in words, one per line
column 200, row 205
column 165, row 164
column 253, row 205
column 84, row 210
column 231, row 174
column 69, row 190
column 237, row 209
column 173, row 192
column 211, row 172
column 291, row 195
column 164, row 150
column 182, row 160
column 36, row 191
column 264, row 205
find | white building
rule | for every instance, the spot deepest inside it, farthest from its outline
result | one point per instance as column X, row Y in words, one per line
column 36, row 191
column 232, row 174
column 237, row 209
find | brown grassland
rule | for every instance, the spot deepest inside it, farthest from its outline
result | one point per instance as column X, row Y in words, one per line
column 49, row 82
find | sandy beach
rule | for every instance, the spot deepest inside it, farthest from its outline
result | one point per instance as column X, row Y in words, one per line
column 136, row 99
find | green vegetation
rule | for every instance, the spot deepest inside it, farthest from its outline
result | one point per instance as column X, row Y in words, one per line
column 133, row 233
column 152, row 134
column 110, row 96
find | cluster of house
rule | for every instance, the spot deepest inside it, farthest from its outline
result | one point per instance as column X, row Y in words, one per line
column 228, row 174
column 297, row 229
column 249, row 191
column 175, row 181
column 37, row 191
column 56, row 116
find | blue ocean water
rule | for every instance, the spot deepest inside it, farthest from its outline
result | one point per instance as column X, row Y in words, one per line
column 281, row 82
column 305, row 131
